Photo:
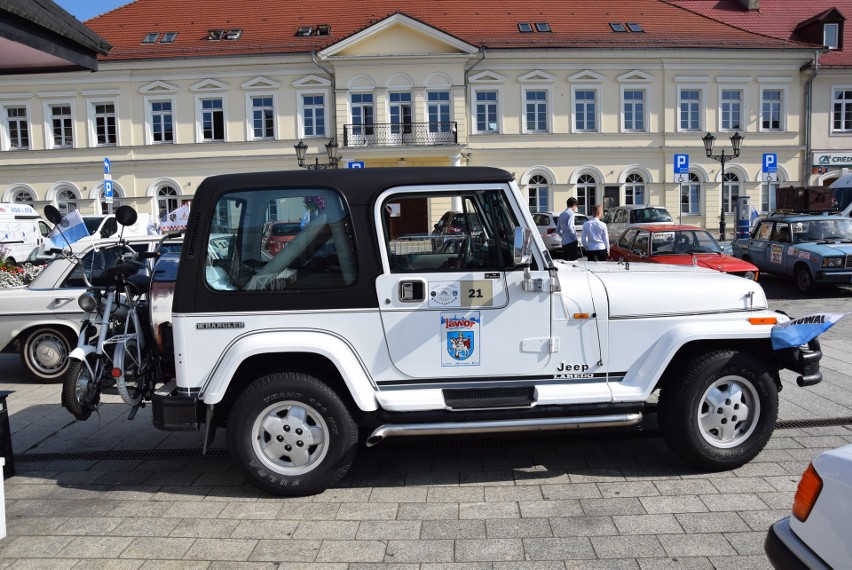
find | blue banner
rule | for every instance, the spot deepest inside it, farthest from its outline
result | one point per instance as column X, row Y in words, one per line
column 802, row 330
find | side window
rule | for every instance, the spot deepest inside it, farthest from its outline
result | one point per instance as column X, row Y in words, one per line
column 477, row 236
column 95, row 262
column 624, row 241
column 764, row 231
column 620, row 216
column 640, row 246
column 109, row 228
column 781, row 233
column 43, row 228
column 281, row 240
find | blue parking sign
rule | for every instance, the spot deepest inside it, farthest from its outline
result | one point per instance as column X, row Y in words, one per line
column 681, row 164
column 770, row 162
column 356, row 164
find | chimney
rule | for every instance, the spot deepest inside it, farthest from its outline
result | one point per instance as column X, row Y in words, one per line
column 751, row 4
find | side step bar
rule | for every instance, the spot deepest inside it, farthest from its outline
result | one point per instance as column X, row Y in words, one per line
column 497, row 426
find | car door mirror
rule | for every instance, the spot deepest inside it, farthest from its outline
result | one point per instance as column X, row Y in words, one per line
column 522, row 250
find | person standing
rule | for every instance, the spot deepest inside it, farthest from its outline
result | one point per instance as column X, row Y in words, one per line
column 596, row 236
column 566, row 229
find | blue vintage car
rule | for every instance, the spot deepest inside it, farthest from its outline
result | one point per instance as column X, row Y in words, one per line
column 813, row 249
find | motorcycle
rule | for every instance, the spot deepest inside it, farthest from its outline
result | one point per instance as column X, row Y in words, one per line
column 116, row 345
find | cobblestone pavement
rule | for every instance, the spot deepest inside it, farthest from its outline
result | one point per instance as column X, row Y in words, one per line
column 539, row 503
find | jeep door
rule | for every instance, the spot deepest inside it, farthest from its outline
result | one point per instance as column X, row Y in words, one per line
column 455, row 305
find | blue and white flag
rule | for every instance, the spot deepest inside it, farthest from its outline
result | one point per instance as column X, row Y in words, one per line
column 802, row 330
column 73, row 228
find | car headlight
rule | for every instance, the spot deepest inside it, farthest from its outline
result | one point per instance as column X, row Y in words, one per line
column 751, row 275
column 832, row 262
column 88, row 301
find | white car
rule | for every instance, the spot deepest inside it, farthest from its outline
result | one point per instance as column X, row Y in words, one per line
column 619, row 218
column 546, row 224
column 816, row 535
column 41, row 320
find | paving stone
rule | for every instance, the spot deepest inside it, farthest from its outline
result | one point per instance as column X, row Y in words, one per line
column 777, row 500
column 747, row 543
column 494, row 510
column 518, row 528
column 101, row 564
column 139, row 509
column 571, row 491
column 567, row 548
column 733, row 502
column 264, row 529
column 679, row 563
column 189, row 509
column 523, row 565
column 204, row 528
column 420, row 551
column 490, row 478
column 281, row 551
column 518, row 493
column 489, row 550
column 95, row 547
column 399, row 494
column 455, row 495
column 24, row 526
column 158, row 548
column 762, row 520
column 742, row 485
column 647, row 524
column 627, row 546
column 583, row 526
column 741, row 562
column 26, row 546
column 452, row 529
column 607, row 564
column 389, row 530
column 251, row 510
column 341, row 495
column 432, row 479
column 685, row 487
column 616, row 506
column 628, row 489
column 309, row 512
column 709, row 544
column 550, row 508
column 351, row 551
column 331, row 530
column 367, row 511
column 426, row 511
column 145, row 526
column 694, row 523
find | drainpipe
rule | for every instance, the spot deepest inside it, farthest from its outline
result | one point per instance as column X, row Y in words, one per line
column 808, row 104
column 333, row 88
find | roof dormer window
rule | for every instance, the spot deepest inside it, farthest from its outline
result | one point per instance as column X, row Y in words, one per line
column 542, row 27
column 304, row 31
column 525, row 27
column 150, row 38
column 831, row 35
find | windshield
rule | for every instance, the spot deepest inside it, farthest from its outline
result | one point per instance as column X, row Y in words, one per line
column 649, row 215
column 829, row 229
column 683, row 242
column 92, row 223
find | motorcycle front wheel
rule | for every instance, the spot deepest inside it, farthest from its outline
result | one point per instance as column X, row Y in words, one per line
column 81, row 392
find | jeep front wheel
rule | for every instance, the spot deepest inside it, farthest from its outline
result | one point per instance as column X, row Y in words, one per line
column 721, row 413
column 290, row 434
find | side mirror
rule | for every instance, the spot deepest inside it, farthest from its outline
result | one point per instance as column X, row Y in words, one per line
column 125, row 215
column 52, row 214
column 522, row 251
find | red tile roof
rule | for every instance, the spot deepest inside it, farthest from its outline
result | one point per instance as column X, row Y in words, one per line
column 269, row 26
column 779, row 19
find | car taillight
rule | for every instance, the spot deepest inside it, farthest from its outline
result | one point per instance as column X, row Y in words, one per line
column 807, row 493
column 551, row 230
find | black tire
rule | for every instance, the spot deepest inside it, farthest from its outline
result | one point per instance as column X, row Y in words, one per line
column 299, row 462
column 81, row 393
column 804, row 280
column 701, row 415
column 44, row 353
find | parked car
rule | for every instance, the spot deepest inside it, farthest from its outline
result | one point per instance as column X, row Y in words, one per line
column 678, row 245
column 619, row 218
column 278, row 234
column 546, row 223
column 456, row 223
column 41, row 321
column 812, row 249
column 816, row 534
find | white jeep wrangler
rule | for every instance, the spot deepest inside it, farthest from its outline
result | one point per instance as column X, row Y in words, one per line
column 366, row 326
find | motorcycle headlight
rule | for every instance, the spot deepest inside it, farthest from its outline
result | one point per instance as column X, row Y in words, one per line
column 832, row 262
column 88, row 301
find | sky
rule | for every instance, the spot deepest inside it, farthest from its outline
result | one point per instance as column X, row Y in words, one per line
column 86, row 9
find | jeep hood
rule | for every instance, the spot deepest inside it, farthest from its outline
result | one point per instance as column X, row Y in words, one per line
column 650, row 290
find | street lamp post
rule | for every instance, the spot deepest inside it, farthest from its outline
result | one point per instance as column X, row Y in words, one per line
column 330, row 149
column 736, row 143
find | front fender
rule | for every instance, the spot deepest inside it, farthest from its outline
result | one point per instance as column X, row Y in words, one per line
column 324, row 343
column 81, row 352
column 642, row 377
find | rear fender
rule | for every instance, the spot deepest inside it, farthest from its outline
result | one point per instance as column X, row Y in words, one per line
column 340, row 353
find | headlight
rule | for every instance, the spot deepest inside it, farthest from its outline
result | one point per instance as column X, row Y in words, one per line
column 832, row 262
column 88, row 301
column 751, row 275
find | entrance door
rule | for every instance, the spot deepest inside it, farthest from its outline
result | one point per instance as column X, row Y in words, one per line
column 611, row 197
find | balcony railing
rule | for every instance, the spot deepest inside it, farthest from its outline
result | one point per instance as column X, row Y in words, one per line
column 400, row 134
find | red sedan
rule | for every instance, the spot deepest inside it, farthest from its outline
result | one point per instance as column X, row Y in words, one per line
column 678, row 245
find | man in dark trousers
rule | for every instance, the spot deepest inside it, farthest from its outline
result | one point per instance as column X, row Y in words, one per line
column 566, row 229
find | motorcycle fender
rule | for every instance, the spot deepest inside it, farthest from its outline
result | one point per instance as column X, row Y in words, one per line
column 81, row 352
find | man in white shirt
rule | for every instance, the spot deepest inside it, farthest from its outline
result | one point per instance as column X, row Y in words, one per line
column 596, row 236
column 565, row 228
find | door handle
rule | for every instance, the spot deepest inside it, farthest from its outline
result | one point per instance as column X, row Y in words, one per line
column 412, row 291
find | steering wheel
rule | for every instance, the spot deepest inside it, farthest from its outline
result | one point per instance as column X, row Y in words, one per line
column 464, row 253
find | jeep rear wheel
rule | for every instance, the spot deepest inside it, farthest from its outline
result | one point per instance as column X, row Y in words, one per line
column 291, row 434
column 721, row 413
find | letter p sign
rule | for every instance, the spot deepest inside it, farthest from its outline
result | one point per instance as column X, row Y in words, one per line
column 770, row 162
column 681, row 164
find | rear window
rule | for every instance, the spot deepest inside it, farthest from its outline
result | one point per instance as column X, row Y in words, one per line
column 289, row 229
column 649, row 215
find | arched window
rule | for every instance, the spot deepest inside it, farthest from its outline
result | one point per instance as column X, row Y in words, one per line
column 690, row 196
column 66, row 201
column 23, row 197
column 634, row 189
column 109, row 208
column 167, row 201
column 767, row 195
column 539, row 194
column 730, row 191
column 586, row 192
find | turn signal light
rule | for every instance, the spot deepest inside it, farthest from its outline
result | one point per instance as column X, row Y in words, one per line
column 763, row 320
column 807, row 493
column 581, row 315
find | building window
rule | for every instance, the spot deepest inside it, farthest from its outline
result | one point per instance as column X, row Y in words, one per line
column 587, row 188
column 585, row 110
column 536, row 111
column 400, row 113
column 262, row 117
column 539, row 194
column 634, row 189
column 162, row 122
column 105, row 124
column 66, row 201
column 313, row 115
column 486, row 112
column 167, row 201
column 690, row 109
column 730, row 191
column 767, row 196
column 438, row 111
column 771, row 109
column 62, row 126
column 212, row 120
column 831, row 35
column 690, row 196
column 363, row 114
column 732, row 100
column 18, row 128
column 634, row 110
column 23, row 197
column 842, row 111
